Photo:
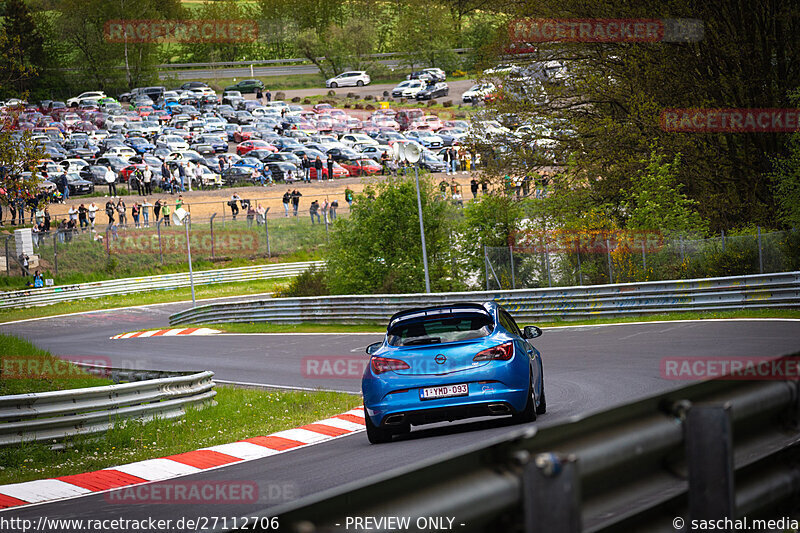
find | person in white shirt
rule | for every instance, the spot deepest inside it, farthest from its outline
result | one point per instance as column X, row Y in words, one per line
column 73, row 214
column 146, row 213
column 110, row 178
column 92, row 211
column 147, row 178
column 198, row 176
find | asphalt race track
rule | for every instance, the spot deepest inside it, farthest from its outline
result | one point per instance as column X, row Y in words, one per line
column 586, row 369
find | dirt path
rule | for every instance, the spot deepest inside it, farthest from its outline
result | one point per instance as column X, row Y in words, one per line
column 202, row 204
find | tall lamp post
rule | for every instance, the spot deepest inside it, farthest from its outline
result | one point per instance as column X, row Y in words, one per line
column 411, row 152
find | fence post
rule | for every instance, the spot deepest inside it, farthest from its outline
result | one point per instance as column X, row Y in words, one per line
column 608, row 256
column 511, row 254
column 723, row 241
column 266, row 229
column 486, row 266
column 211, row 223
column 578, row 253
column 160, row 248
column 8, row 258
column 55, row 252
column 709, row 458
column 551, row 494
column 547, row 263
column 760, row 256
column 108, row 242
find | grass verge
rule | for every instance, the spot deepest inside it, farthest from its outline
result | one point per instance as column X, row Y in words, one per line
column 26, row 368
column 239, row 414
column 260, row 327
column 145, row 298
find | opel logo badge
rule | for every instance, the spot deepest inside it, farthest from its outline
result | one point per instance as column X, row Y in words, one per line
column 440, row 358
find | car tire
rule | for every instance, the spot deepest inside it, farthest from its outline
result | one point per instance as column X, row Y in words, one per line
column 542, row 407
column 528, row 414
column 334, row 85
column 376, row 435
column 360, row 83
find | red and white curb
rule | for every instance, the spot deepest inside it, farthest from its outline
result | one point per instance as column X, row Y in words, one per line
column 166, row 333
column 47, row 490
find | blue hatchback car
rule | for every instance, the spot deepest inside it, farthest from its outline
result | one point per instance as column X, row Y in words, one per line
column 451, row 362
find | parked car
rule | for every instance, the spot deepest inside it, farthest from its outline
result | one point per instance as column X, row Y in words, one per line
column 353, row 78
column 235, row 174
column 246, row 86
column 451, row 362
column 361, row 166
column 478, row 92
column 435, row 90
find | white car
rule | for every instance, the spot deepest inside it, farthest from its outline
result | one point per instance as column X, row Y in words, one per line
column 202, row 91
column 476, row 93
column 172, row 143
column 501, row 69
column 74, row 165
column 120, row 151
column 402, row 86
column 353, row 78
column 96, row 95
column 277, row 103
column 357, row 138
column 413, row 88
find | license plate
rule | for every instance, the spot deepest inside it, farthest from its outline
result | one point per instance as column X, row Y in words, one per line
column 445, row 391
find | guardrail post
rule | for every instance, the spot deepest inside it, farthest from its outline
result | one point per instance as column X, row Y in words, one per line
column 709, row 458
column 551, row 494
column 760, row 256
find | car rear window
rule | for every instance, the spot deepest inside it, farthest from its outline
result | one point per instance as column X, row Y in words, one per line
column 440, row 329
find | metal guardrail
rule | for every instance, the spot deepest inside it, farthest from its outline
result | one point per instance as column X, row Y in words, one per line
column 99, row 289
column 56, row 415
column 625, row 299
column 708, row 451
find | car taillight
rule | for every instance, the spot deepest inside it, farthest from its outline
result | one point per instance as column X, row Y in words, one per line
column 386, row 364
column 502, row 352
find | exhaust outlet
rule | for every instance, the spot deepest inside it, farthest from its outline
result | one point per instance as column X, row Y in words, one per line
column 393, row 420
column 499, row 409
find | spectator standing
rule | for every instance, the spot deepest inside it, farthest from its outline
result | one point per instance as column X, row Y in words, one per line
column 287, row 198
column 198, row 176
column 484, row 187
column 473, row 186
column 182, row 177
column 64, row 183
column 24, row 261
column 313, row 210
column 82, row 211
column 334, row 207
column 92, row 213
column 156, row 211
column 146, row 213
column 135, row 210
column 446, row 158
column 306, row 168
column 384, row 162
column 147, row 178
column 251, row 215
column 296, row 201
column 46, row 219
column 348, row 196
column 233, row 203
column 110, row 179
column 73, row 213
column 268, row 94
column 259, row 95
column 318, row 168
column 37, row 280
column 123, row 219
column 166, row 175
column 165, row 213
column 136, row 178
column 110, row 212
column 330, row 168
column 179, row 202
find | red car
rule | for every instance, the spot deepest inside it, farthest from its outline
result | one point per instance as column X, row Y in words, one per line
column 125, row 173
column 360, row 167
column 338, row 171
column 322, row 108
column 247, row 146
column 245, row 133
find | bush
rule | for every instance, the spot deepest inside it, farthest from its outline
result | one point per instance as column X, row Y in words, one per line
column 347, row 106
column 331, row 93
column 358, row 106
column 296, row 99
column 280, row 95
column 306, row 101
column 403, row 100
column 352, row 95
column 369, row 107
column 368, row 97
column 431, row 103
column 312, row 282
column 386, row 94
column 458, row 74
column 447, row 103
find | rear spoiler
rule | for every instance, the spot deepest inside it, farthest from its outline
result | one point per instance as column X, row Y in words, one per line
column 437, row 310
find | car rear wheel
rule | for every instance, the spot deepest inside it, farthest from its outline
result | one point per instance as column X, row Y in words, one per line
column 375, row 434
column 360, row 83
column 528, row 414
column 334, row 85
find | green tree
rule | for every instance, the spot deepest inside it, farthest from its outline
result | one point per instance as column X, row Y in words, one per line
column 211, row 51
column 657, row 202
column 18, row 155
column 339, row 47
column 378, row 249
column 24, row 46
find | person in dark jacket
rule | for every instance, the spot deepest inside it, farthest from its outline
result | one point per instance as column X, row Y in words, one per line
column 295, row 201
column 318, row 167
column 330, row 168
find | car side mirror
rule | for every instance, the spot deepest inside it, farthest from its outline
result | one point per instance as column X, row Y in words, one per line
column 374, row 347
column 531, row 332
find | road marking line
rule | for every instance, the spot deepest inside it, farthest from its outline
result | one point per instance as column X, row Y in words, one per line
column 101, row 480
column 330, row 431
column 342, row 423
column 242, row 450
column 166, row 333
column 302, row 435
column 204, row 458
column 275, row 443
